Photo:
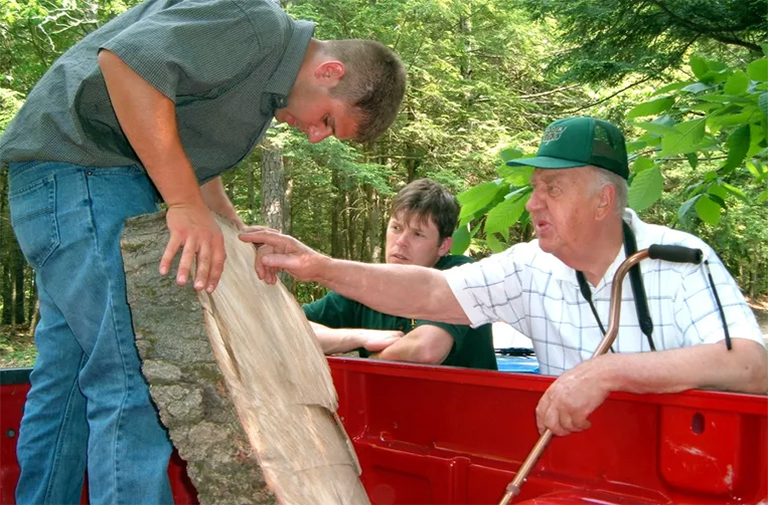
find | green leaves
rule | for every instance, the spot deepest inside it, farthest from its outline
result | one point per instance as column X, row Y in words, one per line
column 738, row 145
column 652, row 107
column 758, row 70
column 503, row 216
column 736, row 83
column 646, row 188
column 699, row 67
column 477, row 198
column 708, row 210
column 684, row 139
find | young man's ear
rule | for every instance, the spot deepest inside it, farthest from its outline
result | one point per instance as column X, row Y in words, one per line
column 331, row 71
column 445, row 247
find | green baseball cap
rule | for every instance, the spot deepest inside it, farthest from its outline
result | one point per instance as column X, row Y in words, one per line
column 578, row 141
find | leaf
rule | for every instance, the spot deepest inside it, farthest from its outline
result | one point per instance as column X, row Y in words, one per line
column 763, row 196
column 757, row 138
column 686, row 207
column 708, row 210
column 693, row 160
column 502, row 217
column 642, row 163
column 646, row 189
column 738, row 145
column 461, row 240
column 494, row 244
column 724, row 98
column 696, row 87
column 752, row 167
column 636, row 145
column 762, row 102
column 517, row 176
column 738, row 193
column 477, row 197
column 671, row 87
column 736, row 84
column 510, row 153
column 652, row 107
column 698, row 66
column 653, row 127
column 718, row 194
column 685, row 139
column 758, row 70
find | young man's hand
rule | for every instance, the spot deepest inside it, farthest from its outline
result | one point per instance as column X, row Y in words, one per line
column 194, row 230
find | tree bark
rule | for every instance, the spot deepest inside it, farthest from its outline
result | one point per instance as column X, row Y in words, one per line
column 268, row 361
column 272, row 187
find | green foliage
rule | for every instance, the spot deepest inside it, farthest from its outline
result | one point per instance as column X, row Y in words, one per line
column 713, row 118
column 608, row 41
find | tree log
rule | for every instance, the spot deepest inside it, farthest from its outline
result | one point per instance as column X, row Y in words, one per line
column 271, row 375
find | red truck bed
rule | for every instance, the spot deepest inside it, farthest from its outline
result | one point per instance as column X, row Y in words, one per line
column 441, row 435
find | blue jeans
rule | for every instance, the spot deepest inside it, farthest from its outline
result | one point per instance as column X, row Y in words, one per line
column 89, row 404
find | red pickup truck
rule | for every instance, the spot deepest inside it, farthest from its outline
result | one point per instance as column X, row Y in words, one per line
column 442, row 435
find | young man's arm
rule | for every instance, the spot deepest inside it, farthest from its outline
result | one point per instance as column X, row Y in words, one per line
column 148, row 119
column 401, row 290
column 336, row 340
column 568, row 402
column 427, row 344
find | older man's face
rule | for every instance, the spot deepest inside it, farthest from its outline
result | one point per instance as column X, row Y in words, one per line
column 563, row 208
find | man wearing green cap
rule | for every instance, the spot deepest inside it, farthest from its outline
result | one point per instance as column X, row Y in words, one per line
column 556, row 289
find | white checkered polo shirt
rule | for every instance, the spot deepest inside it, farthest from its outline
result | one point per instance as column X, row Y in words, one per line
column 539, row 295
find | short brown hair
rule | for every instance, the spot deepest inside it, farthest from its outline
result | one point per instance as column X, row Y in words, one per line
column 426, row 199
column 373, row 85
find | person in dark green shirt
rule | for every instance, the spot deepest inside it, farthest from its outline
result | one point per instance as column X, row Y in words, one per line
column 423, row 217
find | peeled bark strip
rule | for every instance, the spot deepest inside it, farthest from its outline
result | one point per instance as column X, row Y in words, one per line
column 271, row 374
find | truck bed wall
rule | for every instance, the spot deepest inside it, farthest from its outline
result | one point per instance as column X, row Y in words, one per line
column 441, row 435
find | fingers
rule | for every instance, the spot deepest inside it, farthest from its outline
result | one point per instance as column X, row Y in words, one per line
column 559, row 416
column 200, row 239
column 219, row 256
column 187, row 256
column 255, row 228
column 174, row 243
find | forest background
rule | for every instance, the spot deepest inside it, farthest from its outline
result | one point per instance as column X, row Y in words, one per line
column 686, row 80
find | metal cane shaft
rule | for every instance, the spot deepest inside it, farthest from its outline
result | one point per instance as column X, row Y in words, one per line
column 513, row 488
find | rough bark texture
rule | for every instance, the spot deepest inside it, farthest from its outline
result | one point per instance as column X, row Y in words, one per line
column 272, row 369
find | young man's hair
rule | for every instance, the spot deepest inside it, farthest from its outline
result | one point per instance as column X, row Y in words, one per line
column 426, row 199
column 373, row 84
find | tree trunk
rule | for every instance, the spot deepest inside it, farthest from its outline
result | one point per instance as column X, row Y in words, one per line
column 272, row 187
column 268, row 361
column 337, row 209
column 6, row 286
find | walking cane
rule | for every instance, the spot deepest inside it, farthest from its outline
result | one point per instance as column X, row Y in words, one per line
column 676, row 254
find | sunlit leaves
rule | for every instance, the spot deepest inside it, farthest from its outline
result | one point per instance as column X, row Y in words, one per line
column 653, row 107
column 646, row 188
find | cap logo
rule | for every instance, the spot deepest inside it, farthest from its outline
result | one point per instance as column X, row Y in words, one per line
column 553, row 133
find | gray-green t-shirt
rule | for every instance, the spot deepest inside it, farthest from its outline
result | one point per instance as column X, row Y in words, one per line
column 227, row 65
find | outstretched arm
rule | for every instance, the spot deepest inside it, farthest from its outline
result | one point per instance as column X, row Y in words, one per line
column 400, row 290
column 427, row 344
column 336, row 340
column 569, row 401
column 148, row 119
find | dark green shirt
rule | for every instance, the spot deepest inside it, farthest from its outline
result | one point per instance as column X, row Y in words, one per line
column 472, row 348
column 227, row 65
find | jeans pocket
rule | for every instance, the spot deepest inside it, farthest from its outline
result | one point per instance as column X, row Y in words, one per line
column 33, row 216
